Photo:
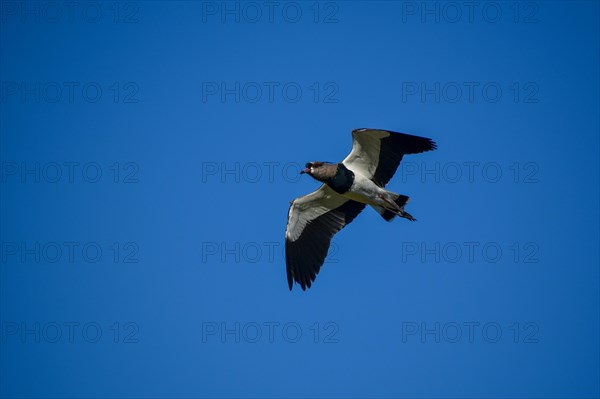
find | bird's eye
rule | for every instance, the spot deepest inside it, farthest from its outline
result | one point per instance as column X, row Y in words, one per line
column 308, row 164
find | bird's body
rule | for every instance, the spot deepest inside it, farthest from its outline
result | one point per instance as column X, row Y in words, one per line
column 353, row 185
column 348, row 186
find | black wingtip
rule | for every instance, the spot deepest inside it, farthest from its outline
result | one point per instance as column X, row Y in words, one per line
column 411, row 144
column 415, row 144
column 290, row 278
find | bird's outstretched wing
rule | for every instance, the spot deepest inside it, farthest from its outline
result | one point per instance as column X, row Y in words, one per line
column 377, row 153
column 312, row 221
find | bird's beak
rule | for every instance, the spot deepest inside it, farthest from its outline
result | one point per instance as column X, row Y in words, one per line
column 305, row 171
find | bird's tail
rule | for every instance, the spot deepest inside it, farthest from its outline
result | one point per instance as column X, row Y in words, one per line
column 389, row 214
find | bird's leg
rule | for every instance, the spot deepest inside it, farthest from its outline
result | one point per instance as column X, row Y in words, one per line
column 395, row 208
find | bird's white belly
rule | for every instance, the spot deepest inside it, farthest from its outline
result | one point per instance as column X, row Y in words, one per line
column 364, row 190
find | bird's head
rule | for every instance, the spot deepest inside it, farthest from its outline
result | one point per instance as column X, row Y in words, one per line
column 321, row 171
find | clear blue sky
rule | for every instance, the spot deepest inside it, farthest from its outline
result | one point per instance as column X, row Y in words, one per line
column 149, row 151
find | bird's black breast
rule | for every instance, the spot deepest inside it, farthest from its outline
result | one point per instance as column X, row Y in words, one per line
column 342, row 181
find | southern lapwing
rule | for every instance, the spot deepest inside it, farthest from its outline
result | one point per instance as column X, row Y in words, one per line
column 348, row 187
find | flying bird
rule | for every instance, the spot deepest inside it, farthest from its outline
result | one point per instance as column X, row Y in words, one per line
column 349, row 186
